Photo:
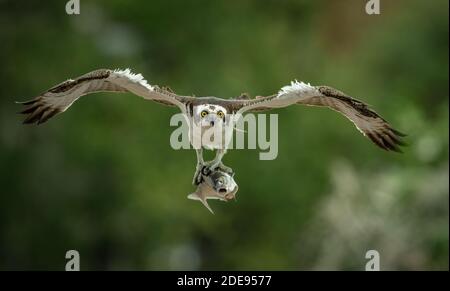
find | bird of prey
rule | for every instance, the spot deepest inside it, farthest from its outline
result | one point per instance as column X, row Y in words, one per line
column 211, row 112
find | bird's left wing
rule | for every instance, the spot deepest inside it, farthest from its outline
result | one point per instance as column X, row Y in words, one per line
column 367, row 121
column 60, row 97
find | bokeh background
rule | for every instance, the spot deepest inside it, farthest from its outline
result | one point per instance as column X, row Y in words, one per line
column 103, row 179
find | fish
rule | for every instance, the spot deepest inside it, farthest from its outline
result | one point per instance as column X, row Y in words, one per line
column 216, row 185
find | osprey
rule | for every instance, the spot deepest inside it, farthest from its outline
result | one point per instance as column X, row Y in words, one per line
column 212, row 112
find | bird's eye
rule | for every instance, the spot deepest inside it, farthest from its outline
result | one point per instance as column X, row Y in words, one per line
column 203, row 113
column 220, row 114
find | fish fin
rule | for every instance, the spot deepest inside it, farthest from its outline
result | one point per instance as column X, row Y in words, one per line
column 195, row 196
column 205, row 202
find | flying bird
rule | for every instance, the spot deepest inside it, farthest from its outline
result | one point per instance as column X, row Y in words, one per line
column 211, row 112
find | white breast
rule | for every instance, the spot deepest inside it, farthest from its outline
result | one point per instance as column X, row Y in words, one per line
column 208, row 140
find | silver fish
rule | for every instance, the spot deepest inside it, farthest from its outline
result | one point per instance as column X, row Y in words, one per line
column 216, row 185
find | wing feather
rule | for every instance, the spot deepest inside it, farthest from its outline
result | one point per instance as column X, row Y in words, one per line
column 60, row 97
column 367, row 121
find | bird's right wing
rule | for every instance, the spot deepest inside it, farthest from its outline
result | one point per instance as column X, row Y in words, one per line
column 61, row 96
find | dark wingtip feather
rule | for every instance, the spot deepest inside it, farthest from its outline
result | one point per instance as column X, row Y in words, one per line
column 48, row 115
column 37, row 113
column 33, row 117
column 388, row 139
column 29, row 109
column 376, row 141
column 28, row 102
column 399, row 133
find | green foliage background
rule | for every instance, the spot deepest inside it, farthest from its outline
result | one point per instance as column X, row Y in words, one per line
column 102, row 178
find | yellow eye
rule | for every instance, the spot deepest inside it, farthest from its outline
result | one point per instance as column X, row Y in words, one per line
column 204, row 113
column 220, row 114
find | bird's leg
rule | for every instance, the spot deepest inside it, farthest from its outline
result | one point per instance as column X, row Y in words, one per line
column 200, row 165
column 217, row 163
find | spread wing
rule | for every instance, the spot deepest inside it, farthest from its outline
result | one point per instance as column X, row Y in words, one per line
column 62, row 96
column 367, row 121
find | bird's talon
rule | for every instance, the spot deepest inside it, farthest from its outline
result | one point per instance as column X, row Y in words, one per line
column 206, row 170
